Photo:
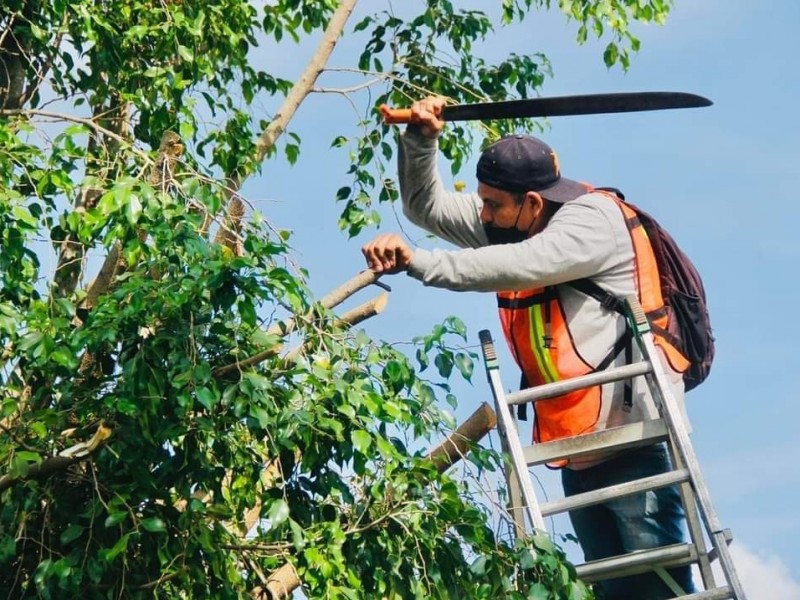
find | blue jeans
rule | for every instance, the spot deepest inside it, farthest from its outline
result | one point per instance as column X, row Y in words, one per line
column 648, row 520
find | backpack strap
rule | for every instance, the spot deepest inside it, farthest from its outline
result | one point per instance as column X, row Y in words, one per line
column 625, row 342
column 590, row 288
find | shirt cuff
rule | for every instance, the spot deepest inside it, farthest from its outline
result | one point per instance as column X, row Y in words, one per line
column 415, row 131
column 421, row 262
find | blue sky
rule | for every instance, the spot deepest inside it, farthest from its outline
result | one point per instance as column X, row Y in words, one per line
column 723, row 180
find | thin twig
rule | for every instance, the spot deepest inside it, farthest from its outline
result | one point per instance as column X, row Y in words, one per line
column 350, row 90
column 74, row 119
column 329, row 301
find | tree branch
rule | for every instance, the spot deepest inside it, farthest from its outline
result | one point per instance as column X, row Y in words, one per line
column 350, row 90
column 305, row 82
column 329, row 301
column 350, row 318
column 280, row 584
column 450, row 451
column 82, row 120
column 12, row 66
column 64, row 459
column 300, row 90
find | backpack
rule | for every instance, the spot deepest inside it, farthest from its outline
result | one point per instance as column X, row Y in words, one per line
column 688, row 325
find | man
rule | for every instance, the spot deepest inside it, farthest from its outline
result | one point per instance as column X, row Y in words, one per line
column 526, row 234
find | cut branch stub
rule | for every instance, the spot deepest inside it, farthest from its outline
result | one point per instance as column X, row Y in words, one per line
column 279, row 585
column 450, row 451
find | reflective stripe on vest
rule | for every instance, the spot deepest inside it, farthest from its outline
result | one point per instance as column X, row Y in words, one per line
column 538, row 335
column 536, row 330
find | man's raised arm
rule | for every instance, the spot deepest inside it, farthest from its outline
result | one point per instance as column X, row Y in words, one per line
column 448, row 215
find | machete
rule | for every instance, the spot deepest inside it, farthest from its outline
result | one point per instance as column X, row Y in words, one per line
column 557, row 106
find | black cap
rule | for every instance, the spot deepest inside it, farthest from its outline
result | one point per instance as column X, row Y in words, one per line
column 521, row 163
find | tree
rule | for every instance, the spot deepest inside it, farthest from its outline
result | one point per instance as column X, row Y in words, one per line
column 157, row 437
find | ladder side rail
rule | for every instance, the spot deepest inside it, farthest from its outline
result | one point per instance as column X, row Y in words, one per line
column 508, row 430
column 672, row 415
column 694, row 524
column 516, row 502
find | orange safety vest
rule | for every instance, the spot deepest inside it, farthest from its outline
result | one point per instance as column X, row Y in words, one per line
column 539, row 337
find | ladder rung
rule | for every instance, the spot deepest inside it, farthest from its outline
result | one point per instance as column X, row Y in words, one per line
column 639, row 561
column 558, row 388
column 618, row 438
column 720, row 593
column 615, row 491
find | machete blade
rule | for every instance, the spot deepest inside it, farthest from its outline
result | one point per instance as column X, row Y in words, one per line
column 588, row 104
column 557, row 106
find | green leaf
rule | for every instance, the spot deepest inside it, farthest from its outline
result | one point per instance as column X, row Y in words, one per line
column 115, row 518
column 134, row 209
column 24, row 215
column 8, row 548
column 185, row 53
column 465, row 365
column 153, row 525
column 298, row 536
column 278, row 512
column 117, row 548
column 444, row 363
column 611, row 54
column 362, row 440
column 343, row 193
column 19, row 467
column 292, row 152
column 526, row 560
column 478, row 567
column 30, row 457
column 263, row 339
column 72, row 532
column 363, row 24
column 259, row 382
column 422, row 359
column 29, row 340
column 539, row 591
column 457, row 326
column 206, row 396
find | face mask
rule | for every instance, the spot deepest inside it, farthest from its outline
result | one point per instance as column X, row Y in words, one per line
column 504, row 235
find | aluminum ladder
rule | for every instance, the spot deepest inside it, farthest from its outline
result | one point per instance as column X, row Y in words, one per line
column 670, row 427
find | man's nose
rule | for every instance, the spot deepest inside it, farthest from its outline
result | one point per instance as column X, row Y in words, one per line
column 486, row 215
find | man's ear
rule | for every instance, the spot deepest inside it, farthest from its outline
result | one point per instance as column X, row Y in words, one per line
column 536, row 202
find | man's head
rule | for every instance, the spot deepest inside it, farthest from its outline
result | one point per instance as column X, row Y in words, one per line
column 521, row 186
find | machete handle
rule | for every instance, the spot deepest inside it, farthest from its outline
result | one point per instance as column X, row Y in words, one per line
column 395, row 116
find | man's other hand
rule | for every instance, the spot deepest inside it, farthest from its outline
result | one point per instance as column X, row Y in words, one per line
column 387, row 253
column 425, row 113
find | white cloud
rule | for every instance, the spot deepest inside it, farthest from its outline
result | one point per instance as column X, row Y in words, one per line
column 763, row 576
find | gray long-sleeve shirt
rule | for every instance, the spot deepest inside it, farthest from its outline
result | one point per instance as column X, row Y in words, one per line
column 586, row 238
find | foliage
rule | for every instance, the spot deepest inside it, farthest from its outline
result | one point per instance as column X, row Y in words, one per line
column 326, row 446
